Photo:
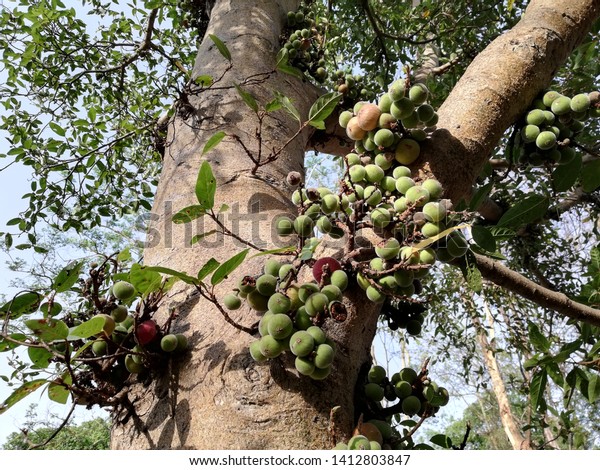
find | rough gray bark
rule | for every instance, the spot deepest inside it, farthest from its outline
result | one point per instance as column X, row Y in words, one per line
column 217, row 396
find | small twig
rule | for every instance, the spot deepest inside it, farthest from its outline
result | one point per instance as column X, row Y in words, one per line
column 56, row 431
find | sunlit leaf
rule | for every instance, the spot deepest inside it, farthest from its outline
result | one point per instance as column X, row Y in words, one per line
column 48, row 329
column 91, row 327
column 324, row 106
column 58, row 390
column 208, row 268
column 247, row 98
column 213, row 142
column 144, row 280
column 221, row 47
column 228, row 267
column 67, row 277
column 20, row 393
column 206, row 185
column 187, row 214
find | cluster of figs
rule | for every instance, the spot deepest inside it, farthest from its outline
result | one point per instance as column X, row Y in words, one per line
column 549, row 127
column 292, row 314
column 303, row 43
column 133, row 340
column 380, row 193
column 409, row 393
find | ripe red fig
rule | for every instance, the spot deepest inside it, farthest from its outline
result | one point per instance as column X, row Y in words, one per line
column 326, row 266
column 146, row 332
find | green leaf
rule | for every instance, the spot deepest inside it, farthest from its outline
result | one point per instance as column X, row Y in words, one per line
column 474, row 278
column 555, row 373
column 67, row 277
column 568, row 349
column 565, row 176
column 91, row 327
column 442, row 440
column 578, row 380
column 57, row 129
column 213, row 142
column 502, row 233
column 48, row 329
column 273, row 105
column 247, row 98
column 484, row 238
column 537, row 389
column 187, row 214
column 228, row 267
column 8, row 240
column 223, row 208
column 22, row 304
column 538, row 339
column 206, row 185
column 593, row 387
column 290, row 70
column 39, row 357
column 197, row 238
column 531, row 362
column 221, row 47
column 171, row 272
column 286, row 249
column 208, row 268
column 124, row 255
column 528, row 210
column 309, row 249
column 144, row 280
column 318, row 124
column 20, row 393
column 57, row 391
column 480, row 195
column 7, row 345
column 204, row 80
column 282, row 58
column 324, row 106
column 430, row 241
column 288, row 106
column 590, row 176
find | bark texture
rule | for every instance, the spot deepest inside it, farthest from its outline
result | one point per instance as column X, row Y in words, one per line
column 217, row 396
column 499, row 86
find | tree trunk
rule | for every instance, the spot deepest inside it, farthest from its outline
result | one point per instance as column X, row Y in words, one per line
column 217, row 396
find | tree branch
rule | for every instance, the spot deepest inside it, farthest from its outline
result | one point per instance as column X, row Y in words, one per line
column 515, row 282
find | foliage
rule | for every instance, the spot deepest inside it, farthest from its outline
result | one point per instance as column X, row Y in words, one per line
column 89, row 435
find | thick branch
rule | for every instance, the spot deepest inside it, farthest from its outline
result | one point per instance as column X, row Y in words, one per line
column 499, row 86
column 515, row 282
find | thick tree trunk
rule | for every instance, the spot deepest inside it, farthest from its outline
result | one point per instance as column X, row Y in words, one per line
column 217, row 396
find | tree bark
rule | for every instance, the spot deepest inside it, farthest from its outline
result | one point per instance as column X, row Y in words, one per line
column 217, row 396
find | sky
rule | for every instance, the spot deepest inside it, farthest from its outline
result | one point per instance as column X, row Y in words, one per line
column 14, row 182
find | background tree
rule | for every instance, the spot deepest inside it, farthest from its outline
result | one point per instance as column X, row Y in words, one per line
column 57, row 435
column 113, row 128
